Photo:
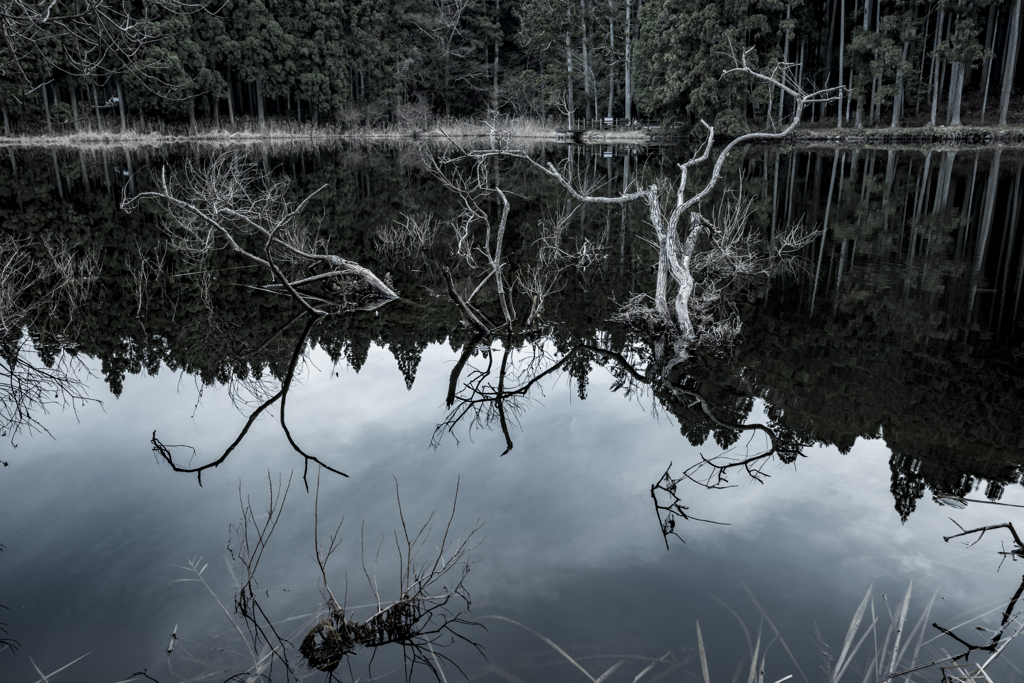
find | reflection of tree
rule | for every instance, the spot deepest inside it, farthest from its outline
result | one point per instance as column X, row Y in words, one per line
column 165, row 450
column 41, row 282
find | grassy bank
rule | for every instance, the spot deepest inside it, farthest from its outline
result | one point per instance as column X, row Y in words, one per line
column 248, row 131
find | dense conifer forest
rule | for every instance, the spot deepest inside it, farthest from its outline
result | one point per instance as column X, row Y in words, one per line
column 144, row 64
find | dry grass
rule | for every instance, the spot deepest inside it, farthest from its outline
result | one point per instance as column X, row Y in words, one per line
column 249, row 130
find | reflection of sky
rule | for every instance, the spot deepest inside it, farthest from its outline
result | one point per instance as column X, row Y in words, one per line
column 93, row 526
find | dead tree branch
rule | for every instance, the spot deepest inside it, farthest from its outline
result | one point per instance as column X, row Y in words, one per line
column 234, row 203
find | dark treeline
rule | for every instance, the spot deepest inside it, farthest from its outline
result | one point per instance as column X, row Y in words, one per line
column 371, row 62
column 903, row 324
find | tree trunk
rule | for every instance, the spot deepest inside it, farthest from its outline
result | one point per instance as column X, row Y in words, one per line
column 627, row 64
column 74, row 108
column 494, row 97
column 987, row 69
column 935, row 76
column 611, row 56
column 1010, row 61
column 958, row 91
column 96, row 102
column 842, row 42
column 569, row 104
column 7, row 122
column 120, row 104
column 46, row 112
column 587, row 73
column 259, row 103
column 897, row 103
column 191, row 114
column 231, row 98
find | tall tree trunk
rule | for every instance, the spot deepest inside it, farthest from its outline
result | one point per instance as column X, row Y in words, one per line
column 936, row 70
column 259, row 103
column 96, row 102
column 46, row 113
column 842, row 42
column 897, row 103
column 627, row 64
column 958, row 91
column 192, row 114
column 7, row 122
column 74, row 107
column 231, row 98
column 987, row 69
column 1010, row 61
column 570, row 103
column 611, row 55
column 587, row 73
column 120, row 104
column 494, row 96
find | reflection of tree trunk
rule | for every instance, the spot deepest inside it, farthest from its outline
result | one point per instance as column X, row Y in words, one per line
column 945, row 178
column 56, row 175
column 1012, row 215
column 824, row 232
column 984, row 228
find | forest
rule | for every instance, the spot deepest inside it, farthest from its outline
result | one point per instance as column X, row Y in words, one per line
column 144, row 65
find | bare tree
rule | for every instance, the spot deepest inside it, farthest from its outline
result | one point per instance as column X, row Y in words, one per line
column 428, row 613
column 42, row 284
column 677, row 239
column 84, row 37
column 234, row 204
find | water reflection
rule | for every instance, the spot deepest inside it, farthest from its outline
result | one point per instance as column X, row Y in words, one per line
column 903, row 325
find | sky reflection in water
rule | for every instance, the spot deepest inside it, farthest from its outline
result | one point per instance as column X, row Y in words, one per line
column 96, row 523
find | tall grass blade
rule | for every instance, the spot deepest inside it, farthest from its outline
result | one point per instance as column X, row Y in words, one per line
column 703, row 655
column 853, row 653
column 784, row 679
column 743, row 625
column 779, row 635
column 921, row 624
column 753, row 659
column 899, row 629
column 511, row 678
column 45, row 678
column 546, row 640
column 851, row 633
column 604, row 677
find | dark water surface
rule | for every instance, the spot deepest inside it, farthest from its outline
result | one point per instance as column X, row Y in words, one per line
column 892, row 355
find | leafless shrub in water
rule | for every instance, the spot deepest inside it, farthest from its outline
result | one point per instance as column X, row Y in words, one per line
column 235, row 204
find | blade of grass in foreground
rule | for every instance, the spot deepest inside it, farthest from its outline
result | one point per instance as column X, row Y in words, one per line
column 703, row 655
column 781, row 639
column 899, row 629
column 850, row 634
column 546, row 640
column 45, row 677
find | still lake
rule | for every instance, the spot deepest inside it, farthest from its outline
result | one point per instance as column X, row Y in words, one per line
column 891, row 351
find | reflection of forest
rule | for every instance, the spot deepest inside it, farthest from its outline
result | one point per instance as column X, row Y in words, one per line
column 904, row 323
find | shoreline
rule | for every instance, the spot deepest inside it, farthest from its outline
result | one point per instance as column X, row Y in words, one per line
column 924, row 135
